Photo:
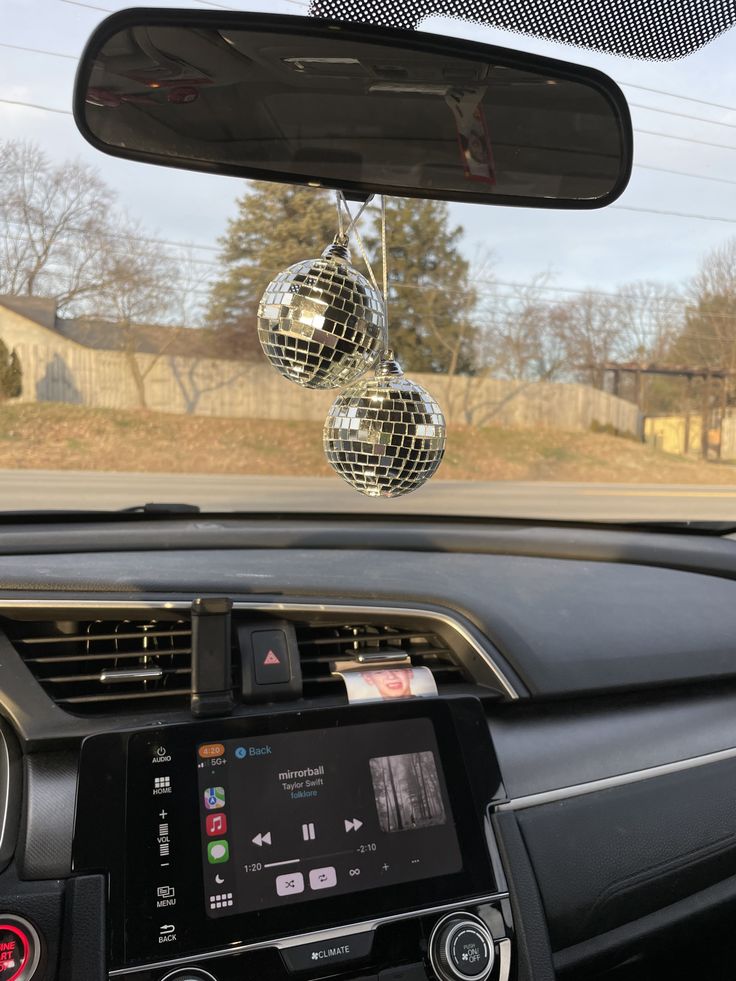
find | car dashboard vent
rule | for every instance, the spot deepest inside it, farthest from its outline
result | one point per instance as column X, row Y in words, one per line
column 100, row 665
column 113, row 666
column 320, row 645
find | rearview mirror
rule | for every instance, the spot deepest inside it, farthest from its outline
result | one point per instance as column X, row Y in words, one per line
column 364, row 109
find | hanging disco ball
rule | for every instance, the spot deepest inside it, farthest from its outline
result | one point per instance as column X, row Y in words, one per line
column 385, row 435
column 320, row 322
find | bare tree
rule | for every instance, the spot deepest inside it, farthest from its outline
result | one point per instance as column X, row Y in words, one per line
column 54, row 221
column 591, row 334
column 708, row 336
column 650, row 318
column 521, row 339
column 62, row 237
column 134, row 295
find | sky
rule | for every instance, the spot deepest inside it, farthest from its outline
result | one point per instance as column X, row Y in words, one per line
column 599, row 249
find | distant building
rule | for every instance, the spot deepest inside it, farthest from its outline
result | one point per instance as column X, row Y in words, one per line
column 34, row 320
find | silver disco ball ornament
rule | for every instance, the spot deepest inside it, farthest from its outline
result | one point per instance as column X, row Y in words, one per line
column 385, row 435
column 320, row 322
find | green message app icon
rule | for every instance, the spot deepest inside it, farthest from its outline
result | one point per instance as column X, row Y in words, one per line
column 218, row 851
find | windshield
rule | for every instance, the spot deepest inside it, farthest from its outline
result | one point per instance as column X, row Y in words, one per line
column 583, row 360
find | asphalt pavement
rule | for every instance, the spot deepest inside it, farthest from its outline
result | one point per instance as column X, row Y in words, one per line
column 71, row 489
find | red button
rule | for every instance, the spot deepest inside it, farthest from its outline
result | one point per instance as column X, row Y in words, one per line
column 15, row 948
column 19, row 949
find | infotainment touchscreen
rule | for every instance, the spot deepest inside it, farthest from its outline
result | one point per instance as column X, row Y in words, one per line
column 222, row 832
column 291, row 817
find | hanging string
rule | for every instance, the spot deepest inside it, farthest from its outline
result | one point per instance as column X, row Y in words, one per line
column 340, row 233
column 384, row 262
column 353, row 228
column 353, row 221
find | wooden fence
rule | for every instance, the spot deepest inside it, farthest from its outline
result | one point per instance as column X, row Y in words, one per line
column 203, row 386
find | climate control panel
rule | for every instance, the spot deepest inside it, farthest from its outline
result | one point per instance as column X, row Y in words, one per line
column 470, row 943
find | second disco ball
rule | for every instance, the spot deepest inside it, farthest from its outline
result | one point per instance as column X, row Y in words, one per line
column 321, row 323
column 385, row 435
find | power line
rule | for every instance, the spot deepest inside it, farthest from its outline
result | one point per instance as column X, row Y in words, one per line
column 300, row 3
column 90, row 6
column 685, row 139
column 34, row 105
column 41, row 51
column 684, row 173
column 672, row 214
column 676, row 95
column 663, row 170
column 645, row 132
column 682, row 115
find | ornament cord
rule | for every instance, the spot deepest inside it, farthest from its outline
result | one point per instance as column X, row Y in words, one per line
column 353, row 227
column 384, row 272
column 341, row 201
column 338, row 202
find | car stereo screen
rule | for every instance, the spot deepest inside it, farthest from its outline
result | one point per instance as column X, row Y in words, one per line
column 294, row 817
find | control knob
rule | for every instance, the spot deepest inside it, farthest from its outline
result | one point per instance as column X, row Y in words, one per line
column 461, row 948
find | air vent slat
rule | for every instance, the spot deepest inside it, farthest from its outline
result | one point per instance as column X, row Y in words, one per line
column 118, row 655
column 361, row 637
column 88, row 638
column 115, row 676
column 321, row 645
column 88, row 666
column 124, row 696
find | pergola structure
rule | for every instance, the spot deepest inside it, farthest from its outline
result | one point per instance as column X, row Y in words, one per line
column 715, row 384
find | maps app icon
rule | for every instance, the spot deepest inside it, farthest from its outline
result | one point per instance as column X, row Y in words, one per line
column 214, row 797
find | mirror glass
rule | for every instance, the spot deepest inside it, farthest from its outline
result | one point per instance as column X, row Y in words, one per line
column 353, row 107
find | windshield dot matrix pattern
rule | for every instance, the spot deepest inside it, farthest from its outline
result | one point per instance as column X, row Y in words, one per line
column 321, row 323
column 385, row 435
column 654, row 30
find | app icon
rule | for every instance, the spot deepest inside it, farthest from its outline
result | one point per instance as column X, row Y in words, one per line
column 217, row 851
column 216, row 824
column 221, row 900
column 214, row 797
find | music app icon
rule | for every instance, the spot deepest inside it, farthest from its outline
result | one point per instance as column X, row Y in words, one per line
column 216, row 824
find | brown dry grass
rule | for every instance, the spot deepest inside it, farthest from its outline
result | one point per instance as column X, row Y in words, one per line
column 58, row 436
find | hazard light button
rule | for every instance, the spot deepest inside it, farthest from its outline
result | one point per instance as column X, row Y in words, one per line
column 270, row 657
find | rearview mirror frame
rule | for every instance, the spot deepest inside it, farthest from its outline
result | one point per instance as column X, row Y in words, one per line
column 364, row 34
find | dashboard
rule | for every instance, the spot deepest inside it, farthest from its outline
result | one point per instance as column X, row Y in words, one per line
column 562, row 807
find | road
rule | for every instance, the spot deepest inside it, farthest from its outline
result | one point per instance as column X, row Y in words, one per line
column 71, row 489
